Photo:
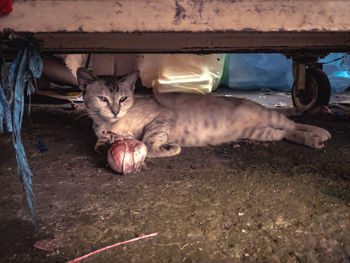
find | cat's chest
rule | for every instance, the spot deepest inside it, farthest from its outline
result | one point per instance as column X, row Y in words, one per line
column 127, row 126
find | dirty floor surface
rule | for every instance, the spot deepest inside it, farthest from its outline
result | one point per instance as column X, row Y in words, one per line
column 238, row 202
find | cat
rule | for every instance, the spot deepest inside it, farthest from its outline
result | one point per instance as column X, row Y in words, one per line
column 166, row 122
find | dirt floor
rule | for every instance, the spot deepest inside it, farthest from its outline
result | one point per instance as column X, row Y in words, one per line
column 238, row 202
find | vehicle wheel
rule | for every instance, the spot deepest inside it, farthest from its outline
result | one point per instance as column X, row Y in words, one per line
column 317, row 90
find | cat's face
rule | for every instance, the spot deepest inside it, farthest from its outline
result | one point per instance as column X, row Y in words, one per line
column 107, row 98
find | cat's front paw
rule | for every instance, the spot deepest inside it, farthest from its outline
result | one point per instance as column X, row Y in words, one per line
column 172, row 149
column 102, row 145
column 165, row 150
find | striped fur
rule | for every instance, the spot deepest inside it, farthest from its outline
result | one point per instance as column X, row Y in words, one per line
column 166, row 122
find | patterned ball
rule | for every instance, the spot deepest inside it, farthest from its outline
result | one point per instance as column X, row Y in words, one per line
column 126, row 155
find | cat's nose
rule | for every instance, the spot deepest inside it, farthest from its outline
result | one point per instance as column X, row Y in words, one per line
column 115, row 110
column 115, row 113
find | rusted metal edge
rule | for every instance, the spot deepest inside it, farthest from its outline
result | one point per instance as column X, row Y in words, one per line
column 184, row 42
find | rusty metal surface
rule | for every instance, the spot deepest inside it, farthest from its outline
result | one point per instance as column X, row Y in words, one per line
column 177, row 15
column 197, row 42
column 182, row 25
column 289, row 43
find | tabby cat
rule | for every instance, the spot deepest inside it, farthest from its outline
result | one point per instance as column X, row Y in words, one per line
column 165, row 122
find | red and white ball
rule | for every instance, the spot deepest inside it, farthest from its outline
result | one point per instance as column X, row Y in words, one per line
column 126, row 155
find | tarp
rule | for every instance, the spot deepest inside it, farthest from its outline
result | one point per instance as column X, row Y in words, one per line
column 274, row 71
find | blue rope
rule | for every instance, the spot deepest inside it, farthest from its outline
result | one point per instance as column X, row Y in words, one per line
column 35, row 63
column 5, row 112
column 21, row 75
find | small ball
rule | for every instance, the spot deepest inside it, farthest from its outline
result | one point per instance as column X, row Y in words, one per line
column 126, row 155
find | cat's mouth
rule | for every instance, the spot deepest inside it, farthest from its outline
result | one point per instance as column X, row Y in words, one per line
column 111, row 119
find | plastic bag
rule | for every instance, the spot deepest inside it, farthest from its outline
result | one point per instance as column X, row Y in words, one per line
column 259, row 71
column 181, row 72
column 337, row 71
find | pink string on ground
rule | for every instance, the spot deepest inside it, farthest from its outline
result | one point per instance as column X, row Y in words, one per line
column 112, row 246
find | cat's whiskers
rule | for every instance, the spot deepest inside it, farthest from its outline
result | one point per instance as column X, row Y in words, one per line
column 86, row 114
column 91, row 112
column 105, row 114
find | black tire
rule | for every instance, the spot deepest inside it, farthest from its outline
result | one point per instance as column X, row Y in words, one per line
column 317, row 90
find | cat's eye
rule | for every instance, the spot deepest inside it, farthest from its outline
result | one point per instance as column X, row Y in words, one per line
column 103, row 99
column 123, row 99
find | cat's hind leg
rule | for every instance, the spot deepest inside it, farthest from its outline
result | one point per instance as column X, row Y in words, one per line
column 298, row 136
column 264, row 134
column 305, row 138
column 156, row 139
column 299, row 133
column 320, row 132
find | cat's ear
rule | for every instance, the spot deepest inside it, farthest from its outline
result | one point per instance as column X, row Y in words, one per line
column 85, row 77
column 129, row 80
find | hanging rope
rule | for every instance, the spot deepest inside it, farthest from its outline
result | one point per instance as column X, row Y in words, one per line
column 22, row 73
column 5, row 111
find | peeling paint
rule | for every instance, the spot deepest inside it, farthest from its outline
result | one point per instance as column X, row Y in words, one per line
column 257, row 9
column 118, row 4
column 200, row 9
column 217, row 11
column 180, row 13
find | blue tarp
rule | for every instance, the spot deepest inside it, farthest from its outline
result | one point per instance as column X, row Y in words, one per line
column 274, row 71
